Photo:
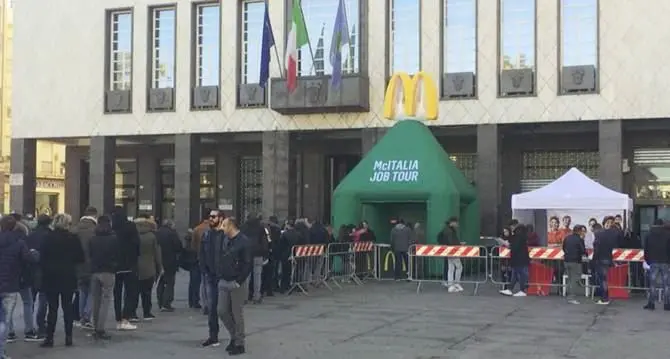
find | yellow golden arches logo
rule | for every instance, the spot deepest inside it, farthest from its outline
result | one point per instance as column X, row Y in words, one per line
column 411, row 96
column 390, row 256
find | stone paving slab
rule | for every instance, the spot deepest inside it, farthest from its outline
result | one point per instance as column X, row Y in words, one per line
column 389, row 320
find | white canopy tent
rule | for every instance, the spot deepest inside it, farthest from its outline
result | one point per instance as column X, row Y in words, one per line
column 573, row 190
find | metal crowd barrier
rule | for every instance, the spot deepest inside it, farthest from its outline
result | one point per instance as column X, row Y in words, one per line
column 544, row 271
column 341, row 264
column 364, row 260
column 436, row 263
column 308, row 267
column 626, row 276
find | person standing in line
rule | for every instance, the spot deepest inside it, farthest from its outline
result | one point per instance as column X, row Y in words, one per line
column 604, row 243
column 454, row 266
column 171, row 249
column 657, row 257
column 253, row 229
column 233, row 266
column 61, row 255
column 271, row 271
column 209, row 253
column 125, row 283
column 13, row 253
column 103, row 254
column 519, row 259
column 574, row 252
column 85, row 230
column 149, row 265
column 35, row 241
column 318, row 235
column 25, row 291
column 196, row 285
column 401, row 235
column 288, row 238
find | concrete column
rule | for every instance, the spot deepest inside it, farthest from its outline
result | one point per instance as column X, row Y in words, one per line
column 186, row 181
column 148, row 188
column 314, row 171
column 22, row 178
column 276, row 161
column 102, row 173
column 73, row 182
column 227, row 168
column 512, row 162
column 610, row 146
column 370, row 137
column 488, row 177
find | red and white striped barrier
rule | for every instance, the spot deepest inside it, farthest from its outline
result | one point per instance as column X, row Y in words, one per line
column 309, row 250
column 423, row 250
column 618, row 254
column 363, row 246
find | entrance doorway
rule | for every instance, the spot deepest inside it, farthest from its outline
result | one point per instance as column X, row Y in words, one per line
column 337, row 168
column 646, row 215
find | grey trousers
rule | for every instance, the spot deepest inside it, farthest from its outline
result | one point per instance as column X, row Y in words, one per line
column 102, row 289
column 230, row 310
column 574, row 273
column 258, row 277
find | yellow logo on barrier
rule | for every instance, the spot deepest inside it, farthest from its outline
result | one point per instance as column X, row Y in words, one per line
column 411, row 96
column 391, row 256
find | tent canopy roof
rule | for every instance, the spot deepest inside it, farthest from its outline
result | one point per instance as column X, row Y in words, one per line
column 573, row 190
column 407, row 164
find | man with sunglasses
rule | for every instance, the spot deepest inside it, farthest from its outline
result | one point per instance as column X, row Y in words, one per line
column 211, row 240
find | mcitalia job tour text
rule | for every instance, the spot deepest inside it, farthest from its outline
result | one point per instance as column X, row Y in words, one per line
column 395, row 171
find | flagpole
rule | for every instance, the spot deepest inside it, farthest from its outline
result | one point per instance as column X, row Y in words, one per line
column 309, row 42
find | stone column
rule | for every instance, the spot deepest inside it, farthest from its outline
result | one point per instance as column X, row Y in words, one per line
column 276, row 161
column 73, row 182
column 148, row 187
column 22, row 178
column 370, row 137
column 102, row 173
column 187, row 181
column 610, row 146
column 488, row 177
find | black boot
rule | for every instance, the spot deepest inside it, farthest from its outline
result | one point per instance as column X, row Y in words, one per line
column 649, row 306
column 666, row 307
column 68, row 341
column 48, row 343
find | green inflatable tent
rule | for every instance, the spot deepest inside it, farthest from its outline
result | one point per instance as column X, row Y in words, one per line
column 408, row 175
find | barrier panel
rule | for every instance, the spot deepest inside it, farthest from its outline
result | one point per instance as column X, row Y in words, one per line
column 451, row 266
column 626, row 275
column 544, row 271
column 308, row 267
column 364, row 260
column 341, row 264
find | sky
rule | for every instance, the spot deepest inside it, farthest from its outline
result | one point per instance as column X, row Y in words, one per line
column 578, row 17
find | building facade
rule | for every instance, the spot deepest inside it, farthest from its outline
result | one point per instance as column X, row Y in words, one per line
column 50, row 156
column 160, row 107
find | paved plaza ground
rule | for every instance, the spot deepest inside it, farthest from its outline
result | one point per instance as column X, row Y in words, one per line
column 389, row 320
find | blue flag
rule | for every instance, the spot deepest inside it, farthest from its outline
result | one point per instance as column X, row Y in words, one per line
column 267, row 44
column 340, row 39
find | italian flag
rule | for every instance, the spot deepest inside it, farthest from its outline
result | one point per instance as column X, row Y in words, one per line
column 297, row 38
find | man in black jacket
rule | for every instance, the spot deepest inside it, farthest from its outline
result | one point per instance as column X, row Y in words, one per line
column 271, row 270
column 519, row 259
column 657, row 256
column 171, row 248
column 604, row 243
column 574, row 252
column 35, row 241
column 104, row 254
column 287, row 240
column 126, row 282
column 231, row 264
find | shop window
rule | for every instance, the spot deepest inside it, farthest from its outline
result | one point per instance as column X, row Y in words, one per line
column 250, row 185
column 125, row 187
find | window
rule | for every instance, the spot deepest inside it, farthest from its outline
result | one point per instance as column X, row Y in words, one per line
column 460, row 47
column 120, row 50
column 517, row 34
column 405, row 35
column 208, row 44
column 163, row 30
column 253, row 13
column 320, row 21
column 579, row 44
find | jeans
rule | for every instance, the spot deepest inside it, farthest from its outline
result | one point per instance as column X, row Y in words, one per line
column 659, row 271
column 65, row 299
column 3, row 330
column 601, row 271
column 519, row 275
column 401, row 259
column 85, row 302
column 230, row 310
column 257, row 278
column 125, row 295
column 27, row 299
column 454, row 270
column 41, row 312
column 7, row 300
column 102, row 288
column 194, row 281
column 212, row 288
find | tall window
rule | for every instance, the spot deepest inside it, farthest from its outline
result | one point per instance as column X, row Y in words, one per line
column 460, row 36
column 252, row 37
column 208, row 44
column 517, row 35
column 405, row 20
column 120, row 50
column 320, row 21
column 579, row 38
column 163, row 31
